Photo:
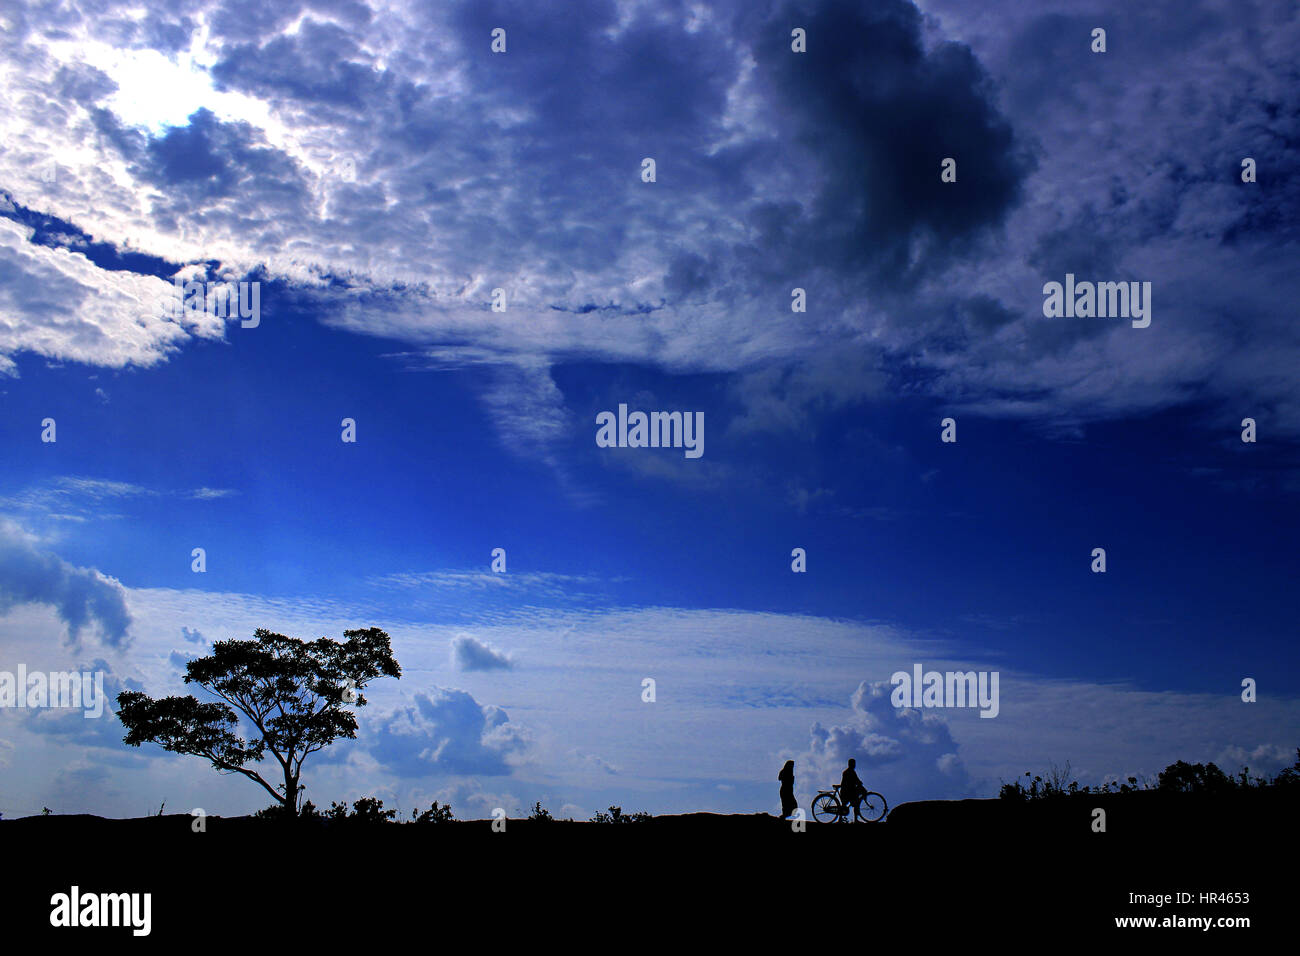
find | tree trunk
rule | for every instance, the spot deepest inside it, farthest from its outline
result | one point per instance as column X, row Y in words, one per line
column 291, row 795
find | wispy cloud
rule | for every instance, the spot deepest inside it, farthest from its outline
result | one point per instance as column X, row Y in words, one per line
column 540, row 582
column 79, row 498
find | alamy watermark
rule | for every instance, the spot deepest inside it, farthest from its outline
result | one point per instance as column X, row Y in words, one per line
column 75, row 908
column 652, row 430
column 69, row 689
column 946, row 689
column 225, row 300
column 1102, row 300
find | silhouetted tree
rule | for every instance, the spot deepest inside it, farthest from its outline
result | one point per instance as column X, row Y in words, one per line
column 1290, row 777
column 294, row 693
column 1183, row 777
column 435, row 814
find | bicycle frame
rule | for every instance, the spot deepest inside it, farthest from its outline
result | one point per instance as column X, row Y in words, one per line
column 829, row 803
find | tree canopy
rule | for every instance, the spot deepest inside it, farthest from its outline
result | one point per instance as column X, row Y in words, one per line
column 295, row 694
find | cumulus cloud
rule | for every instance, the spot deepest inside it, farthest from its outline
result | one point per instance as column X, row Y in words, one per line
column 82, row 597
column 470, row 654
column 903, row 753
column 448, row 732
column 59, row 304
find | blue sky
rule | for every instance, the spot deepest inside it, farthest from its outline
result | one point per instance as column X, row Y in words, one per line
column 379, row 172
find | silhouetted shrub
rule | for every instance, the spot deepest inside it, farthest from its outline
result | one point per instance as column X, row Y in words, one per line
column 365, row 810
column 435, row 814
column 1290, row 777
column 276, row 812
column 616, row 815
column 370, row 810
column 540, row 813
column 1178, row 777
column 1058, row 784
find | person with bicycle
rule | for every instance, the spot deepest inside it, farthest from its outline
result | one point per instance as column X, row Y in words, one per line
column 851, row 789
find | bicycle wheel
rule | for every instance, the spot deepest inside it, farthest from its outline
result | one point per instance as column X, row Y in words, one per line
column 872, row 808
column 825, row 808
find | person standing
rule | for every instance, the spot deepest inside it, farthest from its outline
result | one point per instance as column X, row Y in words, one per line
column 786, row 776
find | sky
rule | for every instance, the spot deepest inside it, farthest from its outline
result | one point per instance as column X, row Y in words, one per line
column 379, row 172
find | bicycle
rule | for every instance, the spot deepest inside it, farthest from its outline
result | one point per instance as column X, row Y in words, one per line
column 827, row 807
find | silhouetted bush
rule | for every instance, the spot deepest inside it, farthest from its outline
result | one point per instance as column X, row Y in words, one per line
column 1290, row 777
column 365, row 810
column 277, row 812
column 540, row 813
column 1058, row 784
column 616, row 815
column 1178, row 777
column 435, row 814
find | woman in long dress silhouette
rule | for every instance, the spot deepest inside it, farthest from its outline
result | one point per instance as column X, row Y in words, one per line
column 786, row 776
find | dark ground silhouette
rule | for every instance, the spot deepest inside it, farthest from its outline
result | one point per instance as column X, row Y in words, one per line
column 970, row 869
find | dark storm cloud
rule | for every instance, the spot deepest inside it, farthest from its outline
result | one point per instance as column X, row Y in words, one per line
column 881, row 111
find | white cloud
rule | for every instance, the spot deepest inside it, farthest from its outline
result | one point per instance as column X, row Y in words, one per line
column 447, row 731
column 83, row 598
column 57, row 303
column 470, row 654
column 904, row 753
